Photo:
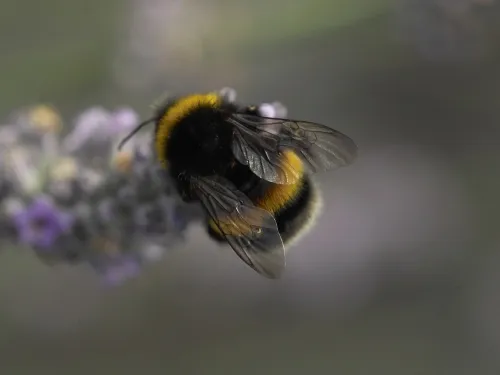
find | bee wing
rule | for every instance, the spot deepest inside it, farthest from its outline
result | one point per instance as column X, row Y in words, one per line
column 251, row 231
column 321, row 147
column 260, row 151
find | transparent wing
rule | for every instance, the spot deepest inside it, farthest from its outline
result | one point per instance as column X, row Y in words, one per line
column 260, row 151
column 251, row 232
column 321, row 147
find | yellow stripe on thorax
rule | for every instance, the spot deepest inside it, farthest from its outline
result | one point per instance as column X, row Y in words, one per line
column 177, row 111
column 278, row 196
column 275, row 198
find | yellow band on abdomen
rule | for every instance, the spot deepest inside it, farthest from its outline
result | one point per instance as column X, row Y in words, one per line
column 279, row 196
column 275, row 198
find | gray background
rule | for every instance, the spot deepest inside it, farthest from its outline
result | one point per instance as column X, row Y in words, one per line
column 400, row 274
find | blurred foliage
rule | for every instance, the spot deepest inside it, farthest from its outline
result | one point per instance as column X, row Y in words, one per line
column 55, row 50
column 61, row 50
column 273, row 21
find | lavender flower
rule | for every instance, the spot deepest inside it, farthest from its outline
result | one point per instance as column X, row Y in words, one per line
column 9, row 136
column 43, row 119
column 123, row 120
column 90, row 125
column 40, row 224
column 97, row 125
column 122, row 269
column 117, row 268
column 21, row 169
column 77, row 200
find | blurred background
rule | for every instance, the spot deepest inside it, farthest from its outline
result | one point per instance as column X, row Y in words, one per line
column 399, row 276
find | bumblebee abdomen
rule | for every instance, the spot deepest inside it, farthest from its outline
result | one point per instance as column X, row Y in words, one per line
column 296, row 218
column 277, row 197
column 294, row 206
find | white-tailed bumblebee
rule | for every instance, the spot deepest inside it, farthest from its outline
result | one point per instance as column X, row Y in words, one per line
column 251, row 174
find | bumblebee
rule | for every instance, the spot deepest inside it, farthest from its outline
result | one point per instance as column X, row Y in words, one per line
column 250, row 173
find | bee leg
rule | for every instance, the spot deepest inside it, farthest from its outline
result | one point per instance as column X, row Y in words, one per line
column 184, row 189
column 186, row 197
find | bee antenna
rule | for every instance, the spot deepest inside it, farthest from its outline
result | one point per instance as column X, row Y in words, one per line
column 134, row 131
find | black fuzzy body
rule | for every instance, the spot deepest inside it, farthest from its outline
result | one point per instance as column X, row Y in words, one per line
column 200, row 145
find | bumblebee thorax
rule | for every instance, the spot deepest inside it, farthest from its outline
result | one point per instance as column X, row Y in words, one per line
column 201, row 142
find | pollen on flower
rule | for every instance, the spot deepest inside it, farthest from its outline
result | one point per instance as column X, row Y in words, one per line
column 64, row 169
column 122, row 161
column 45, row 118
column 106, row 246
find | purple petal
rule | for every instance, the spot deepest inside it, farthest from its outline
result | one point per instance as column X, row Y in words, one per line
column 41, row 207
column 65, row 221
column 125, row 119
column 46, row 239
column 41, row 223
column 117, row 273
column 21, row 219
